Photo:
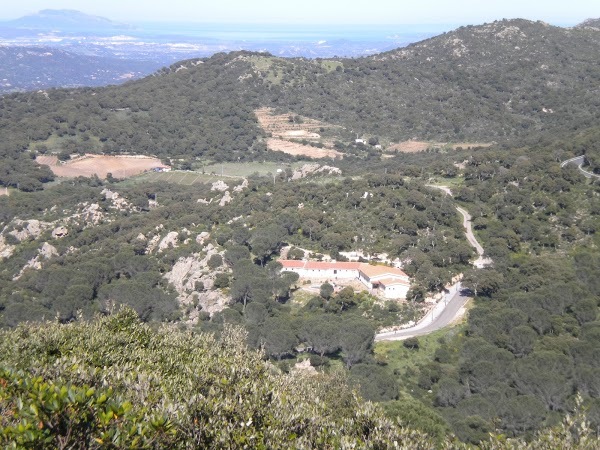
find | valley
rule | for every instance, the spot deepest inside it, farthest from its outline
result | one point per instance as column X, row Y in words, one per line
column 408, row 235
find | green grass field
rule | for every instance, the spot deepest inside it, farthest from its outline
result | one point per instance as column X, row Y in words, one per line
column 248, row 168
column 400, row 358
column 188, row 178
column 228, row 172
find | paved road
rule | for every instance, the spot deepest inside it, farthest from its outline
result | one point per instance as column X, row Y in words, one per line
column 449, row 308
column 445, row 312
column 578, row 161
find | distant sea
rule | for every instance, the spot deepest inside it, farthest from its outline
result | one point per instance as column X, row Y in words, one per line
column 292, row 33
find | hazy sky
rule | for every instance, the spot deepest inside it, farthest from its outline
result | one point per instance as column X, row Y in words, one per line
column 559, row 12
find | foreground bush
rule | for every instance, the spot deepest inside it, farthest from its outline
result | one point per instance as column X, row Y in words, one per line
column 117, row 383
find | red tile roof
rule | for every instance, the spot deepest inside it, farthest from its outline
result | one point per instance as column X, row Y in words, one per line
column 367, row 269
column 292, row 263
column 392, row 282
column 375, row 271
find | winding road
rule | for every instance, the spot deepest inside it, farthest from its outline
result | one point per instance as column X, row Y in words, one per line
column 451, row 306
column 446, row 311
column 578, row 161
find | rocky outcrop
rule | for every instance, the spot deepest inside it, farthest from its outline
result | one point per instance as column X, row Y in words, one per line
column 313, row 169
column 152, row 244
column 304, row 367
column 227, row 198
column 47, row 251
column 92, row 214
column 117, row 201
column 202, row 237
column 220, row 186
column 193, row 281
column 6, row 250
column 171, row 240
column 60, row 232
column 241, row 187
column 26, row 229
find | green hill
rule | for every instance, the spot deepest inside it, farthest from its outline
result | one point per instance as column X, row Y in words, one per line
column 196, row 248
column 502, row 81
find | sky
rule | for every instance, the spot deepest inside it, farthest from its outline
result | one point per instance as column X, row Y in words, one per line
column 334, row 12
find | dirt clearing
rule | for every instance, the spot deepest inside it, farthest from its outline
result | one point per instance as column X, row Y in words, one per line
column 410, row 146
column 420, row 146
column 100, row 165
column 296, row 149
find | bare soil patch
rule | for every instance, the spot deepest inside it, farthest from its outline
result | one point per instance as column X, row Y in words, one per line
column 470, row 145
column 285, row 134
column 419, row 146
column 296, row 149
column 4, row 191
column 279, row 125
column 410, row 146
column 100, row 165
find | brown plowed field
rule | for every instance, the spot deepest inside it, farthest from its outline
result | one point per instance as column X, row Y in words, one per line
column 410, row 146
column 293, row 148
column 88, row 165
column 419, row 146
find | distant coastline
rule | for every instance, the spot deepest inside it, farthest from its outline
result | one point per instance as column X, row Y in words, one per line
column 291, row 32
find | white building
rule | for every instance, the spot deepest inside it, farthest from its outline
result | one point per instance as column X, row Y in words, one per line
column 390, row 282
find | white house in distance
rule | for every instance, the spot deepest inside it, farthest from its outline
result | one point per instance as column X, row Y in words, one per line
column 389, row 282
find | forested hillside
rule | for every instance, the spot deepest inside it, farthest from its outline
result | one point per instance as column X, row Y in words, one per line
column 494, row 82
column 197, row 250
column 530, row 345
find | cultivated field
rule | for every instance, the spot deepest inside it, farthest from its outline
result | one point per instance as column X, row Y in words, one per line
column 280, row 126
column 419, row 146
column 246, row 169
column 410, row 146
column 296, row 149
column 285, row 134
column 187, row 178
column 230, row 173
column 100, row 165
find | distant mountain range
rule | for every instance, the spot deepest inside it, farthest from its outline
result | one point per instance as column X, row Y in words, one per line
column 149, row 46
column 66, row 20
column 68, row 48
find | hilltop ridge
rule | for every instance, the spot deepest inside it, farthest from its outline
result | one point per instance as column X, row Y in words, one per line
column 590, row 23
